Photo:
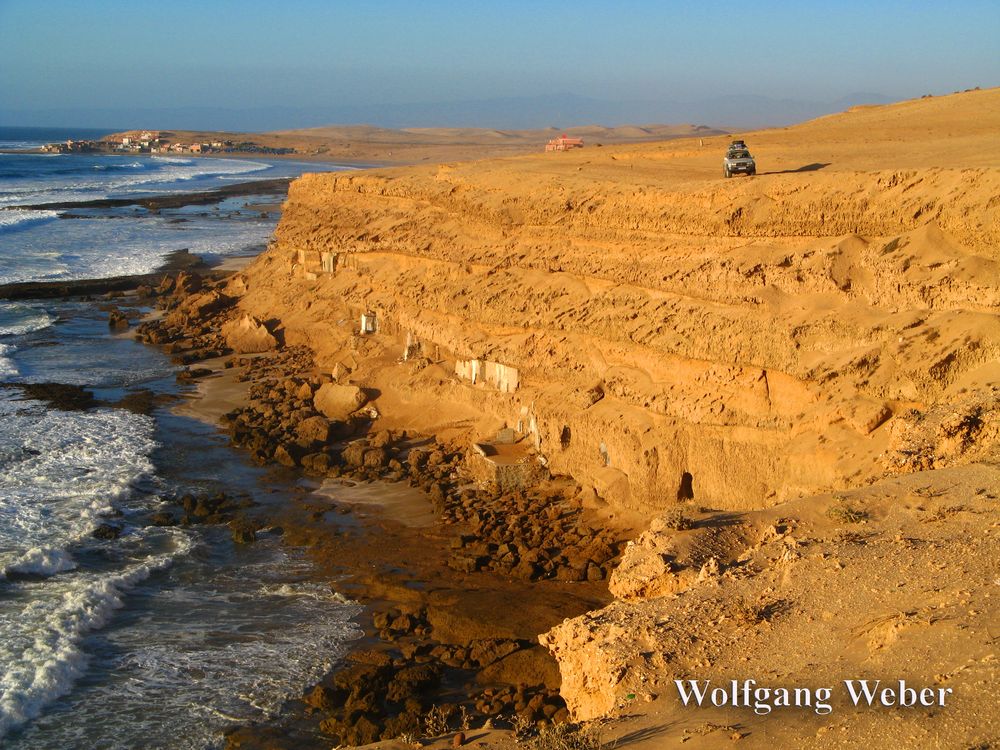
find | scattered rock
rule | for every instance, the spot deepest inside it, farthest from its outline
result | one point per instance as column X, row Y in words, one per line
column 243, row 532
column 107, row 531
column 162, row 518
column 117, row 321
column 314, row 429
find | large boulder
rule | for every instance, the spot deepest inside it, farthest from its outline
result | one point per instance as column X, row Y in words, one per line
column 248, row 335
column 338, row 402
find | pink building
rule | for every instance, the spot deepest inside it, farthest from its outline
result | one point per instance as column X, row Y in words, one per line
column 563, row 143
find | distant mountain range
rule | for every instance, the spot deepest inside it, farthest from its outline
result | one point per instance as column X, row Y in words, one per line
column 559, row 110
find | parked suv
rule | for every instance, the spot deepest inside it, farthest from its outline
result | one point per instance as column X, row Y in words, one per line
column 738, row 160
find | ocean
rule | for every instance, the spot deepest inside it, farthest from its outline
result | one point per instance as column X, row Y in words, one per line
column 165, row 636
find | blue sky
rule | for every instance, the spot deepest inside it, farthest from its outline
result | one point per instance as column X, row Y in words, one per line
column 298, row 58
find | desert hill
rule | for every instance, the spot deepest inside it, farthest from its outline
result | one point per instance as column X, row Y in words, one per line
column 440, row 144
column 791, row 382
column 373, row 145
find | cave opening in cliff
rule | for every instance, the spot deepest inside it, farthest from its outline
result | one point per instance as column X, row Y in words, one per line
column 686, row 489
column 564, row 437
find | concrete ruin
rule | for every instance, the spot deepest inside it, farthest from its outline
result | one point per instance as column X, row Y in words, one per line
column 412, row 348
column 502, row 377
column 505, row 463
column 309, row 264
column 369, row 323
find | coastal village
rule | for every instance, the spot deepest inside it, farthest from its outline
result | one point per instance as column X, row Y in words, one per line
column 161, row 142
column 158, row 142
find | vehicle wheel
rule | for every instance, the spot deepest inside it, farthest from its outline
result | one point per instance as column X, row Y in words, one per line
column 725, row 172
column 752, row 172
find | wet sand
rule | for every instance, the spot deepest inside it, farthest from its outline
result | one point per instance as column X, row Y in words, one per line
column 214, row 395
column 400, row 502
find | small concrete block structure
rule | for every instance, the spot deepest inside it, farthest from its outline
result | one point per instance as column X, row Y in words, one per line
column 506, row 467
column 369, row 323
column 502, row 377
column 506, row 436
column 468, row 369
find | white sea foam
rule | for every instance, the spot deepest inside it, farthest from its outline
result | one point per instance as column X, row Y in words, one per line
column 16, row 217
column 21, row 144
column 59, row 472
column 41, row 650
column 96, row 249
column 305, row 589
column 17, row 319
column 41, row 561
column 128, row 165
column 8, row 369
column 189, row 171
column 298, row 631
column 110, row 181
column 62, row 471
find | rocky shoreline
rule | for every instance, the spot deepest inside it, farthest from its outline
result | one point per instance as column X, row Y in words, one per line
column 142, row 285
column 444, row 650
column 177, row 200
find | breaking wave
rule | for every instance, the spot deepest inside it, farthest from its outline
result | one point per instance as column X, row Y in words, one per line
column 16, row 217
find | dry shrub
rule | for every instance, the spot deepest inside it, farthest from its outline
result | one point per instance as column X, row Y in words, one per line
column 749, row 613
column 676, row 519
column 522, row 729
column 567, row 737
column 844, row 513
column 436, row 720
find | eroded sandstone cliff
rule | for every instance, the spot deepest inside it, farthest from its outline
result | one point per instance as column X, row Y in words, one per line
column 673, row 334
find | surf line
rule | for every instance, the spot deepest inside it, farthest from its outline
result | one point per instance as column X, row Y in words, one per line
column 763, row 700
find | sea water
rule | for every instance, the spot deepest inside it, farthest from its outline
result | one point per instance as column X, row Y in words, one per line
column 162, row 637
